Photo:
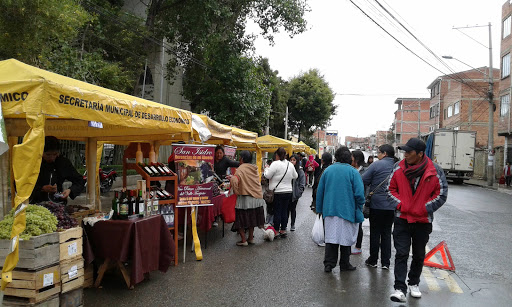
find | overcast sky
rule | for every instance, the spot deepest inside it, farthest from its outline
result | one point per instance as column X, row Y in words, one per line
column 357, row 57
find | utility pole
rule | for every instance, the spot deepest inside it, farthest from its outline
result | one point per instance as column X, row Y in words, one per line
column 490, row 96
column 286, row 125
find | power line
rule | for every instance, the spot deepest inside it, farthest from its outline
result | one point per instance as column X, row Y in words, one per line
column 427, row 48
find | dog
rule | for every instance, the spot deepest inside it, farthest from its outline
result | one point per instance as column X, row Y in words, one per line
column 269, row 233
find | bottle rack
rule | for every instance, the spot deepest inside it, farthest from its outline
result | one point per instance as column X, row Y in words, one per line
column 129, row 153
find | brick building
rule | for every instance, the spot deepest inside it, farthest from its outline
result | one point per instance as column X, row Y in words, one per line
column 459, row 101
column 504, row 125
column 362, row 143
column 412, row 118
column 383, row 137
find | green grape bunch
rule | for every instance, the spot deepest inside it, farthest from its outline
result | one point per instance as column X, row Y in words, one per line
column 39, row 221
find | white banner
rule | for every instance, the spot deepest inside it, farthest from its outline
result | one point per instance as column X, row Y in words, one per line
column 3, row 134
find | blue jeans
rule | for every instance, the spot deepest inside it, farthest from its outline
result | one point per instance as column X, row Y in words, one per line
column 281, row 203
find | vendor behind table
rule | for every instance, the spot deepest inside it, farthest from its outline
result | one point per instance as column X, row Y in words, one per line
column 54, row 170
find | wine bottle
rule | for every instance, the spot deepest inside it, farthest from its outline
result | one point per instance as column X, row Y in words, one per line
column 159, row 194
column 140, row 207
column 131, row 203
column 166, row 169
column 146, row 169
column 115, row 206
column 159, row 168
column 154, row 170
column 124, row 206
column 166, row 194
column 149, row 203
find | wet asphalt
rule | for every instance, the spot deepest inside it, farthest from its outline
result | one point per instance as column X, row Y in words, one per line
column 475, row 222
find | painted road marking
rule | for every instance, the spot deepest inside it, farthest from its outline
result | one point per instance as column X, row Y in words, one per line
column 442, row 275
column 430, row 279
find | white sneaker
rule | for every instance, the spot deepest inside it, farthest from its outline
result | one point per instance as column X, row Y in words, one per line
column 415, row 291
column 398, row 296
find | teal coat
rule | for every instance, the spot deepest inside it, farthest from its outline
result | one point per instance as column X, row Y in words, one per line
column 341, row 193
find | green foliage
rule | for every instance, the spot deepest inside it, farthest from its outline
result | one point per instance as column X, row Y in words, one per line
column 96, row 43
column 31, row 30
column 207, row 38
column 231, row 91
column 310, row 104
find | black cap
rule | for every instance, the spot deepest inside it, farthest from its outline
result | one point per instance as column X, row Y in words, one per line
column 413, row 144
column 51, row 143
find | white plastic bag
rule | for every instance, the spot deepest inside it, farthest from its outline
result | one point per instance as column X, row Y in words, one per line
column 317, row 234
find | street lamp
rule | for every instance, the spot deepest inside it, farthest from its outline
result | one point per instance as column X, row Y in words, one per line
column 449, row 57
column 490, row 96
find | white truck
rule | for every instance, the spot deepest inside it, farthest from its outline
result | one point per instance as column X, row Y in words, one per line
column 454, row 151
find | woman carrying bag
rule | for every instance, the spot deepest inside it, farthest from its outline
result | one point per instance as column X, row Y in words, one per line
column 249, row 211
column 281, row 173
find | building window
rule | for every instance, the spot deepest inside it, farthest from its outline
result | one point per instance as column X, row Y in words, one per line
column 456, row 108
column 504, row 105
column 506, row 27
column 450, row 111
column 505, row 65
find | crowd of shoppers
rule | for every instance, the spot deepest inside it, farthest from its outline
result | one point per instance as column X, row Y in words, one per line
column 404, row 197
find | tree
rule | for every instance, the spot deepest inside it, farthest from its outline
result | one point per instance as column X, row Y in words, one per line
column 310, row 104
column 208, row 41
column 94, row 42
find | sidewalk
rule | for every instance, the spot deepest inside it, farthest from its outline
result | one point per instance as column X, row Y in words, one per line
column 483, row 183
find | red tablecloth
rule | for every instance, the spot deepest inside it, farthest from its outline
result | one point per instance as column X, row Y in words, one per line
column 145, row 242
column 205, row 215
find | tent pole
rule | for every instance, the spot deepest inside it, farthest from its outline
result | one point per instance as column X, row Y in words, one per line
column 91, row 171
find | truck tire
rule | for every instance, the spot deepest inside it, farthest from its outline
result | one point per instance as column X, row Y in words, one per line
column 458, row 181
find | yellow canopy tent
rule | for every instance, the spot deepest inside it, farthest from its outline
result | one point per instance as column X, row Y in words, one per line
column 269, row 143
column 36, row 103
column 298, row 147
column 307, row 149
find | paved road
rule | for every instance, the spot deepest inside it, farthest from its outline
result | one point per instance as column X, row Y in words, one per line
column 476, row 223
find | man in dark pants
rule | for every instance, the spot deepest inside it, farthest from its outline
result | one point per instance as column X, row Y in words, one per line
column 418, row 188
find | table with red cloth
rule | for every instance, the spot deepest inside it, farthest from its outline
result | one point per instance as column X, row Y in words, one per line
column 145, row 243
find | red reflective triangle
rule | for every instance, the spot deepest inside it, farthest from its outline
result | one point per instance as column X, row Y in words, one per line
column 445, row 256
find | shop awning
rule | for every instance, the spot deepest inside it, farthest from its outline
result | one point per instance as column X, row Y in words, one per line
column 269, row 143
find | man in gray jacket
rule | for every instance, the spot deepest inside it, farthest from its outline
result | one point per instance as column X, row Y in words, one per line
column 381, row 210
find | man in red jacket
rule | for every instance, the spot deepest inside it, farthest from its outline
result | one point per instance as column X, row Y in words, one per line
column 417, row 188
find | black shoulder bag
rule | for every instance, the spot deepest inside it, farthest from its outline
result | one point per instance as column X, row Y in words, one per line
column 368, row 199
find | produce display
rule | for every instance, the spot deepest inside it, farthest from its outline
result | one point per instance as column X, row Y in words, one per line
column 59, row 210
column 39, row 221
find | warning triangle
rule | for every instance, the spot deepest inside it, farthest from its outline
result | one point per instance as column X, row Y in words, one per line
column 445, row 256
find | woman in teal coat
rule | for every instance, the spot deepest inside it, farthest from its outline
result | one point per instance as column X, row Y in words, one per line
column 340, row 200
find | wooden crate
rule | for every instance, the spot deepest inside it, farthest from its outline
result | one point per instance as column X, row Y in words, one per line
column 17, row 301
column 70, row 243
column 89, row 276
column 73, row 298
column 35, row 286
column 72, row 274
column 36, row 253
column 79, row 215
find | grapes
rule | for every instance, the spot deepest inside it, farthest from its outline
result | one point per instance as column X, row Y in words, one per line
column 59, row 210
column 39, row 221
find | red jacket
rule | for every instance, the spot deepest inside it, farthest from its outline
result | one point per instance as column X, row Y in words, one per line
column 431, row 193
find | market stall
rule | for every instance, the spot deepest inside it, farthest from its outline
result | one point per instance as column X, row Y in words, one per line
column 36, row 103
